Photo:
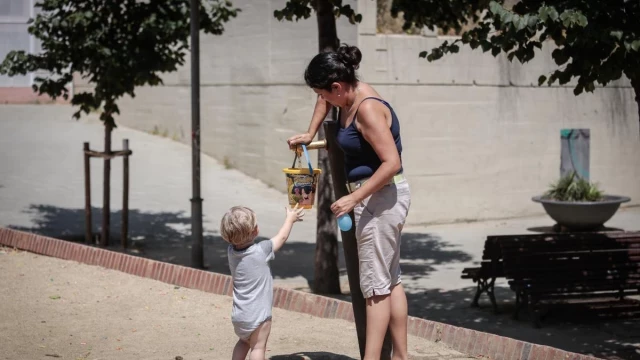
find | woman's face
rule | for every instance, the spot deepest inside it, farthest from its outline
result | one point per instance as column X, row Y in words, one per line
column 333, row 97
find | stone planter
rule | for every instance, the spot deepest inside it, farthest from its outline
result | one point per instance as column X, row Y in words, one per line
column 582, row 215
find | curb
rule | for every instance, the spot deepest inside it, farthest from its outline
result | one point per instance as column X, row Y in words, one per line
column 470, row 342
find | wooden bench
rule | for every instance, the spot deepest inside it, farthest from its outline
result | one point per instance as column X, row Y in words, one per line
column 562, row 268
column 486, row 274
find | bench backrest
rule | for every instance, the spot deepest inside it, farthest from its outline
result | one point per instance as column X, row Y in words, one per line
column 493, row 244
column 584, row 262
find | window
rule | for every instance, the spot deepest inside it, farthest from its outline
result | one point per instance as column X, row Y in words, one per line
column 14, row 15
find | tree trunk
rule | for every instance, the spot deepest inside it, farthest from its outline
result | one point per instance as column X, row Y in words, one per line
column 636, row 88
column 106, row 189
column 326, row 276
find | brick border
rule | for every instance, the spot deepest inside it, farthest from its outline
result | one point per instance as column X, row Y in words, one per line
column 470, row 342
column 24, row 95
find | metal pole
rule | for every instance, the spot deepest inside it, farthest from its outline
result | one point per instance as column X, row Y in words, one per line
column 88, row 234
column 125, row 194
column 197, row 260
column 106, row 191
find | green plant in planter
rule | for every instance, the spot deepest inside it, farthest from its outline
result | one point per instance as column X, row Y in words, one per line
column 573, row 188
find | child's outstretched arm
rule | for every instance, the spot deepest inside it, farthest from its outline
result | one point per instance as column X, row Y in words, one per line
column 293, row 215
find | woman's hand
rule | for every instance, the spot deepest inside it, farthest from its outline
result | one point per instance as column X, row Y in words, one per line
column 344, row 205
column 295, row 140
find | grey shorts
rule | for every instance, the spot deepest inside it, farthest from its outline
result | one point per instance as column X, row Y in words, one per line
column 379, row 221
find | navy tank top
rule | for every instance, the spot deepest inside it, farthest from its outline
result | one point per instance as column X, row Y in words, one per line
column 360, row 160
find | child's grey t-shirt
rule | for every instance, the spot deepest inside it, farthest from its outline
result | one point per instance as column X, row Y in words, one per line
column 252, row 283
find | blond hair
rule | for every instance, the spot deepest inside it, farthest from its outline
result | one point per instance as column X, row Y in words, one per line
column 238, row 224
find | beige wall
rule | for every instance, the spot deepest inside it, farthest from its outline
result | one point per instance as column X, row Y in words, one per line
column 480, row 137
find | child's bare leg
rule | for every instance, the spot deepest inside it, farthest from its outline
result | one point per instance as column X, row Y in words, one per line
column 398, row 322
column 378, row 314
column 241, row 350
column 258, row 341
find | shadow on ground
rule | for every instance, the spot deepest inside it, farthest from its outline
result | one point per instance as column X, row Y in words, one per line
column 165, row 236
column 585, row 332
column 311, row 356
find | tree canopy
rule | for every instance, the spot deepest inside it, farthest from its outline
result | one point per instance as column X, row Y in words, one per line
column 596, row 41
column 116, row 45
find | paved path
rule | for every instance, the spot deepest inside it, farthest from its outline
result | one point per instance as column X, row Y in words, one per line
column 41, row 190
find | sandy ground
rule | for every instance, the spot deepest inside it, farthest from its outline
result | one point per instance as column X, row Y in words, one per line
column 52, row 308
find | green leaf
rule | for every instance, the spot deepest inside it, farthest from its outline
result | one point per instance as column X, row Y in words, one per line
column 635, row 45
column 567, row 18
column 582, row 20
column 507, row 17
column 543, row 12
column 496, row 8
column 541, row 80
column 590, row 87
column 532, row 21
column 519, row 22
column 423, row 54
column 617, row 34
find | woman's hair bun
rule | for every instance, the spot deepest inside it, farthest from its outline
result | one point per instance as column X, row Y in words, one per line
column 350, row 55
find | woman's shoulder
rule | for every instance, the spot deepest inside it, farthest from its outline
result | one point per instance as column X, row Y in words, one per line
column 371, row 103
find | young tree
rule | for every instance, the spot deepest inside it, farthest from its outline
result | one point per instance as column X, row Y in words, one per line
column 117, row 46
column 326, row 275
column 596, row 41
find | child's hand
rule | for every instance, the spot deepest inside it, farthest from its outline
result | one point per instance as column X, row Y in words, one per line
column 295, row 214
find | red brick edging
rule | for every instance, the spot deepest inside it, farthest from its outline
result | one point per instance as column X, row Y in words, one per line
column 471, row 342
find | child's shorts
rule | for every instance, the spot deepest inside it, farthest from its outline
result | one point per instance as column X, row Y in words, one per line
column 379, row 221
column 244, row 330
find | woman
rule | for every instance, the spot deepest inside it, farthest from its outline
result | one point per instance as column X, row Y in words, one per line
column 369, row 135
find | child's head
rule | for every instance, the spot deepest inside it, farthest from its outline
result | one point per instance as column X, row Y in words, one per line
column 239, row 226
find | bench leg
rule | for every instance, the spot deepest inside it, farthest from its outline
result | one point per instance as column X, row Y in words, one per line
column 485, row 285
column 479, row 291
column 522, row 300
column 492, row 296
column 535, row 315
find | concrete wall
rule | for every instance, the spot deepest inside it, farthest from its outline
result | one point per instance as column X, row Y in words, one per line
column 480, row 138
